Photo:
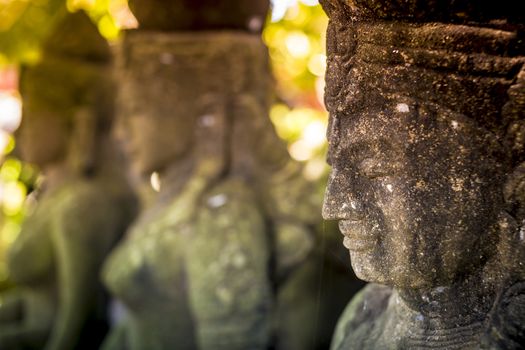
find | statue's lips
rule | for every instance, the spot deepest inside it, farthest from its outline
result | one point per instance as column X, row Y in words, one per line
column 356, row 238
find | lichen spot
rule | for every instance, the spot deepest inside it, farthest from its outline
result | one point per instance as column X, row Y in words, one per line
column 402, row 108
column 217, row 200
column 207, row 120
column 457, row 184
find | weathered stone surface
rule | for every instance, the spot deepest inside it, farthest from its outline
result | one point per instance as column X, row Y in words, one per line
column 199, row 267
column 426, row 145
column 458, row 11
column 198, row 15
column 83, row 206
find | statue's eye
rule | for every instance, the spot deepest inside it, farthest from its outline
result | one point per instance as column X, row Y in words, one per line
column 373, row 168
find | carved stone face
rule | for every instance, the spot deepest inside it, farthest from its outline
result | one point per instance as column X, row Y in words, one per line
column 168, row 105
column 42, row 137
column 156, row 126
column 416, row 193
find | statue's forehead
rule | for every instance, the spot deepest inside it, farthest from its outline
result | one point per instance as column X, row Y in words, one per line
column 400, row 122
column 374, row 129
column 446, row 11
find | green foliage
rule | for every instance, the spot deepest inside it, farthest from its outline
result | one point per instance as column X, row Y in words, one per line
column 106, row 13
column 297, row 52
column 296, row 46
column 25, row 24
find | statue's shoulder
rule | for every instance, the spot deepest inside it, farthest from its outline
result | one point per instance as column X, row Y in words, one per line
column 85, row 205
column 93, row 194
column 507, row 322
column 360, row 315
column 78, row 190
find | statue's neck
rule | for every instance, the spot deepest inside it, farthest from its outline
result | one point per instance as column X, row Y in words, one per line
column 55, row 175
column 174, row 176
column 450, row 316
column 466, row 302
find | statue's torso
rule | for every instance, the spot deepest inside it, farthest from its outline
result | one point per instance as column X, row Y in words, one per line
column 55, row 223
column 182, row 266
column 146, row 273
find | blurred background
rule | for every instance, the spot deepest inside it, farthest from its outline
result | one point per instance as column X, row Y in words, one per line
column 294, row 35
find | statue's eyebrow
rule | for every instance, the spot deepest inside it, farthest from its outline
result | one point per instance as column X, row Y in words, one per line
column 359, row 150
column 331, row 154
column 333, row 136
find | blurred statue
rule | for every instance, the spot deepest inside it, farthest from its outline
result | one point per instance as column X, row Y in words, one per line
column 83, row 205
column 426, row 137
column 199, row 268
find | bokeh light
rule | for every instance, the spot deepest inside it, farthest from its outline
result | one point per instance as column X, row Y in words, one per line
column 13, row 190
column 297, row 44
column 295, row 38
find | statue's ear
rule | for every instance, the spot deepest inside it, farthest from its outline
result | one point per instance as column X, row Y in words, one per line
column 514, row 192
column 82, row 155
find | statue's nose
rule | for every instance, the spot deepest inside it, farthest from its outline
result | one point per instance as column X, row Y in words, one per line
column 339, row 200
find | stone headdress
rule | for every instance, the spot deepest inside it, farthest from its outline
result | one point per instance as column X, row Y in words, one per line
column 219, row 89
column 72, row 72
column 458, row 58
column 72, row 80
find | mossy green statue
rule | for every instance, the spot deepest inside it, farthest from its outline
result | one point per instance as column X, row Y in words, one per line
column 199, row 268
column 83, row 204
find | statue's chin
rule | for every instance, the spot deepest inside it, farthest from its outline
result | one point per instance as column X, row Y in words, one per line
column 368, row 267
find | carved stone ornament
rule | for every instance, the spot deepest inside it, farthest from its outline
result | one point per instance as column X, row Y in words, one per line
column 426, row 138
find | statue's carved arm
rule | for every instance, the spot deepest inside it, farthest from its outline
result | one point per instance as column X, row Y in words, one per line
column 116, row 338
column 10, row 307
column 10, row 318
column 30, row 243
column 78, row 238
column 12, row 336
column 24, row 319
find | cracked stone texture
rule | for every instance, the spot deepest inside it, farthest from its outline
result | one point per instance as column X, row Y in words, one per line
column 83, row 205
column 426, row 139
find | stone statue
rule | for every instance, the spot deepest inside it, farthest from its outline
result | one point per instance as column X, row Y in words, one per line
column 426, row 136
column 200, row 266
column 83, row 205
